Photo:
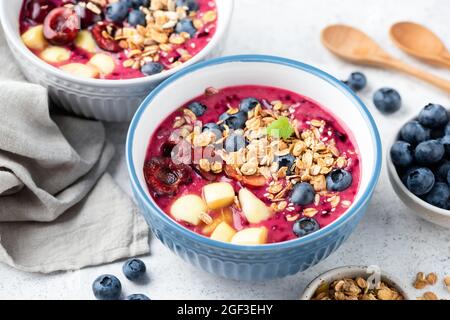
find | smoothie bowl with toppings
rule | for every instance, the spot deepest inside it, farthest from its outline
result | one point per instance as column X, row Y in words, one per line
column 253, row 167
column 100, row 58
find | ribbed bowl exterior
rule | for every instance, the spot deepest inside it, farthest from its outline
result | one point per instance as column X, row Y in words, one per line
column 241, row 265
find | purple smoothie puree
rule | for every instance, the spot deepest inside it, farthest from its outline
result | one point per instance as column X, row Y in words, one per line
column 280, row 229
column 168, row 59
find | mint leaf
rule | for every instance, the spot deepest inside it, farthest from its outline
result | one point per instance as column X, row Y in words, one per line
column 280, row 128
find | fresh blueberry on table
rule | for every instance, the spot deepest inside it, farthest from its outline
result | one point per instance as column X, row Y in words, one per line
column 197, row 108
column 117, row 11
column 107, row 287
column 339, row 180
column 136, row 17
column 419, row 181
column 192, row 5
column 234, row 121
column 234, row 142
column 151, row 68
column 305, row 226
column 186, row 25
column 387, row 100
column 248, row 104
column 303, row 194
column 433, row 116
column 446, row 143
column 214, row 128
column 429, row 152
column 287, row 160
column 137, row 296
column 439, row 196
column 414, row 133
column 402, row 154
column 357, row 81
column 134, row 269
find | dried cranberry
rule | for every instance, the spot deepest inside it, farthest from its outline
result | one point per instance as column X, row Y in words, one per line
column 106, row 43
column 164, row 177
column 37, row 10
column 61, row 26
column 87, row 17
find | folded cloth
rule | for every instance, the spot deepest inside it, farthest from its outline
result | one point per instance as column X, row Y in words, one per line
column 59, row 210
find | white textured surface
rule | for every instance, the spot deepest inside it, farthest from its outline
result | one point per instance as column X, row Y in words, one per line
column 388, row 235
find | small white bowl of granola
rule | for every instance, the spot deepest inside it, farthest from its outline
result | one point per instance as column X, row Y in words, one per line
column 355, row 283
column 100, row 58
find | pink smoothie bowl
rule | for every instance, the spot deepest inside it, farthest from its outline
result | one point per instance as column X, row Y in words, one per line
column 267, row 261
column 107, row 100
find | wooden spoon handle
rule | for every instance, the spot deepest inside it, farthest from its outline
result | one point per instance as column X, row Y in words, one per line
column 445, row 59
column 423, row 75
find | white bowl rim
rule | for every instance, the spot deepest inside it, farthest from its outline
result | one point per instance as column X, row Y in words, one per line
column 13, row 36
column 330, row 274
column 392, row 171
column 266, row 59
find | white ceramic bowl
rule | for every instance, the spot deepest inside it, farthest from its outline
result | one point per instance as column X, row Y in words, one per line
column 351, row 272
column 417, row 206
column 266, row 261
column 109, row 100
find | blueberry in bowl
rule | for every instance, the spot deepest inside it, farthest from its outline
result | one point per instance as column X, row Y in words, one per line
column 419, row 164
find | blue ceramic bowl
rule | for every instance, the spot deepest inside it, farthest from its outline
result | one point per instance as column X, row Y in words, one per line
column 271, row 260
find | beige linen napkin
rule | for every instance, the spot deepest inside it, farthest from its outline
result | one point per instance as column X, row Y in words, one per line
column 58, row 209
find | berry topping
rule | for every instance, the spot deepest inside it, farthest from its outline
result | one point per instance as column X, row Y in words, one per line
column 106, row 43
column 305, row 226
column 234, row 142
column 192, row 5
column 387, row 100
column 152, row 68
column 87, row 17
column 339, row 180
column 37, row 10
column 248, row 104
column 197, row 108
column 61, row 26
column 136, row 17
column 163, row 176
column 117, row 11
column 186, row 25
column 234, row 121
column 214, row 128
column 287, row 161
column 303, row 194
column 134, row 269
column 107, row 287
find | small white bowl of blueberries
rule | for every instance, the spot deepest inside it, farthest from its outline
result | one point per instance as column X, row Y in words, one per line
column 419, row 164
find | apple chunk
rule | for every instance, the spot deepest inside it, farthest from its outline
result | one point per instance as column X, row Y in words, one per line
column 34, row 38
column 250, row 236
column 85, row 41
column 103, row 62
column 80, row 70
column 253, row 208
column 55, row 54
column 189, row 208
column 218, row 195
column 223, row 232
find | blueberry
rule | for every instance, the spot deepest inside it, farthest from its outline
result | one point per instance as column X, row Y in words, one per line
column 429, row 152
column 287, row 160
column 138, row 3
column 134, row 269
column 442, row 170
column 248, row 104
column 136, row 17
column 447, row 129
column 387, row 100
column 433, row 116
column 305, row 226
column 214, row 128
column 420, row 181
column 414, row 133
column 234, row 142
column 151, row 68
column 303, row 194
column 117, row 11
column 357, row 81
column 186, row 25
column 448, row 178
column 402, row 154
column 446, row 143
column 107, row 287
column 439, row 196
column 234, row 121
column 192, row 5
column 339, row 180
column 197, row 108
column 137, row 296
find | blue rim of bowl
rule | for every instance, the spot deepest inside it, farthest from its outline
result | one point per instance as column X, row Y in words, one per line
column 248, row 59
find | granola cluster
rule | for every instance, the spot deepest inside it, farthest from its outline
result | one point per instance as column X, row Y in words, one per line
column 356, row 289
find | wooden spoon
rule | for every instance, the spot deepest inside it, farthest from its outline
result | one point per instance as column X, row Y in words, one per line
column 353, row 45
column 420, row 42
